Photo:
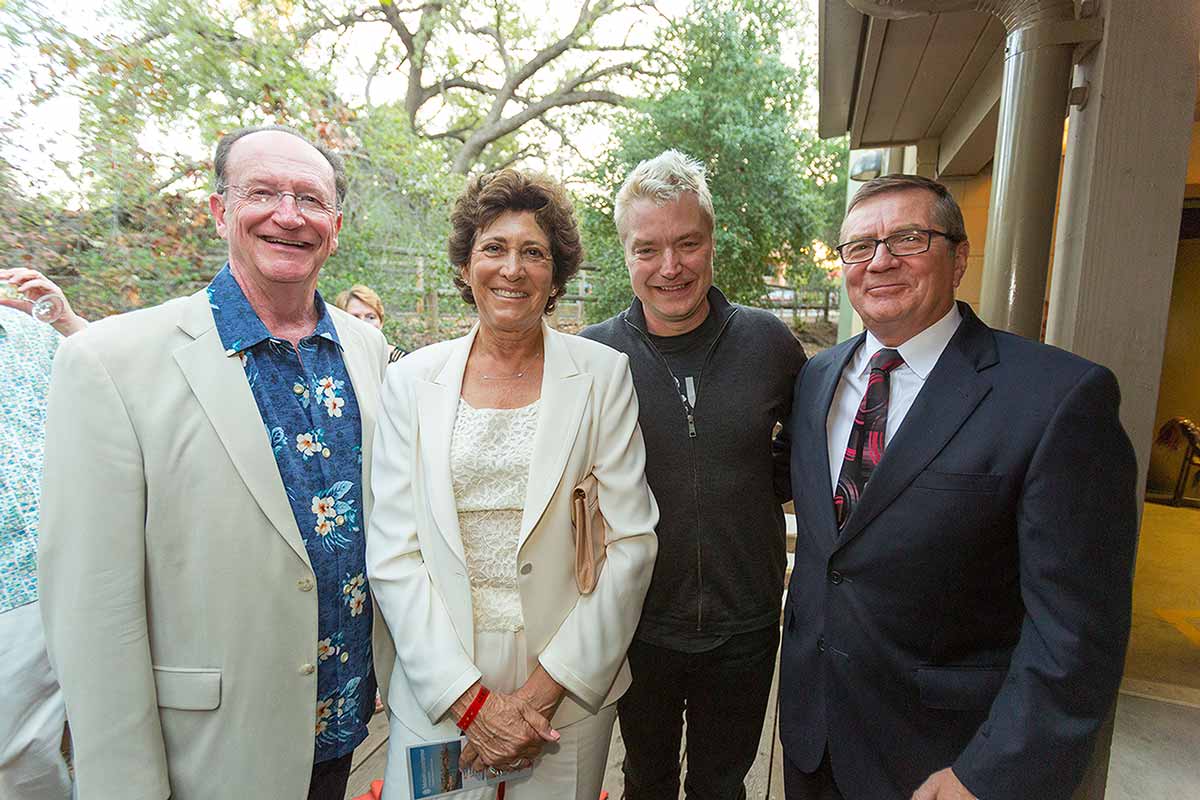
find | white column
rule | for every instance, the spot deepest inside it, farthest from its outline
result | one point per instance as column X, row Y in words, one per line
column 1122, row 192
column 1118, row 226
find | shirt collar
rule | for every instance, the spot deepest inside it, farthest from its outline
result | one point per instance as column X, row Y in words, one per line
column 237, row 322
column 921, row 352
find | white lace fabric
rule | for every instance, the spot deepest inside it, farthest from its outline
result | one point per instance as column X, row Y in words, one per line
column 490, row 453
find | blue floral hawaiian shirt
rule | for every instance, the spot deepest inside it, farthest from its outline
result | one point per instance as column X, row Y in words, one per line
column 26, row 351
column 312, row 419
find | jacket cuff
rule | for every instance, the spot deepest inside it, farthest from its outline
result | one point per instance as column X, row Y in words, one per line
column 454, row 691
column 574, row 684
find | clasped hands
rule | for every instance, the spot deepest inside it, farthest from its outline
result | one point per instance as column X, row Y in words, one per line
column 510, row 730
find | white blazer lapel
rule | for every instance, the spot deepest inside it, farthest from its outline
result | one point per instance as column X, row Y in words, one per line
column 437, row 406
column 219, row 383
column 366, row 380
column 565, row 392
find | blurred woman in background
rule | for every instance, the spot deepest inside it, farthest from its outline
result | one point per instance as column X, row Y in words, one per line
column 363, row 303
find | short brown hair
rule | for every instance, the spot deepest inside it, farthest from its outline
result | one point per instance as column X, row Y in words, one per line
column 363, row 294
column 489, row 195
column 945, row 211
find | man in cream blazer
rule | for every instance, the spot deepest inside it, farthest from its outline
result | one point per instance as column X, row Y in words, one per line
column 588, row 423
column 179, row 597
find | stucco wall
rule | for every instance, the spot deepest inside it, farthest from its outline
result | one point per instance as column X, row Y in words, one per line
column 972, row 195
column 1193, row 168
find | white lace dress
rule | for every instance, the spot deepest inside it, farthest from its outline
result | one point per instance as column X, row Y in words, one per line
column 490, row 454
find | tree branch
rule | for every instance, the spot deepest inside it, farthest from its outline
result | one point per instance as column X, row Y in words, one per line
column 459, row 134
column 378, row 65
column 459, row 81
column 517, row 156
column 491, row 131
column 545, row 121
column 305, row 34
column 583, row 24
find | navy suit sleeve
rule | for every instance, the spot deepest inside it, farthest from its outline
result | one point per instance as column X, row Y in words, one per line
column 1076, row 528
column 781, row 446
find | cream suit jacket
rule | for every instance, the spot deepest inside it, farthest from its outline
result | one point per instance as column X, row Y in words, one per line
column 177, row 594
column 587, row 422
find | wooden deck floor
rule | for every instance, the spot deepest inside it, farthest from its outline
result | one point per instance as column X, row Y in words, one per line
column 370, row 758
column 765, row 781
column 1157, row 721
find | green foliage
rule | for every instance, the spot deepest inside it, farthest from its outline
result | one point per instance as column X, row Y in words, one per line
column 144, row 234
column 396, row 220
column 738, row 108
column 164, row 78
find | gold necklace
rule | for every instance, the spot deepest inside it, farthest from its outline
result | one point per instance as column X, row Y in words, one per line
column 520, row 374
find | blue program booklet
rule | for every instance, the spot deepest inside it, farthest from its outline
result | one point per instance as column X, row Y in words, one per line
column 434, row 772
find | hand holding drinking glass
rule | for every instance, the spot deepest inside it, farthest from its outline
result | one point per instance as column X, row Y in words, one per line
column 32, row 292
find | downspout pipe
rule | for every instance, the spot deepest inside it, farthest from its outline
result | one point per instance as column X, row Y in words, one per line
column 1038, row 58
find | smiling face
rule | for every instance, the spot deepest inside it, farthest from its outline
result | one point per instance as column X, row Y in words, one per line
column 269, row 247
column 511, row 273
column 900, row 296
column 669, row 253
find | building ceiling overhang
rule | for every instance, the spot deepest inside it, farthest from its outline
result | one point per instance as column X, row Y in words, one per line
column 891, row 82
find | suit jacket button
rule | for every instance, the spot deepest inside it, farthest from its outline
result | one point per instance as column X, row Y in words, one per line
column 305, row 584
column 820, row 644
column 835, row 577
column 526, row 568
column 307, row 669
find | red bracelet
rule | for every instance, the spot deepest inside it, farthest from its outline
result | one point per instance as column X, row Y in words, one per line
column 473, row 710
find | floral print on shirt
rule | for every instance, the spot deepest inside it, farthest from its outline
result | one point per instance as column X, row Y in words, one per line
column 27, row 349
column 313, row 426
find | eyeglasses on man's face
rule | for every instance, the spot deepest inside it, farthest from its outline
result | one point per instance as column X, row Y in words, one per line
column 265, row 198
column 905, row 243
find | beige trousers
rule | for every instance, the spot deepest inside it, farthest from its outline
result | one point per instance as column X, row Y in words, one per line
column 31, row 712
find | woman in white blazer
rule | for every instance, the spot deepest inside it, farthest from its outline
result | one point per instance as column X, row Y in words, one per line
column 470, row 550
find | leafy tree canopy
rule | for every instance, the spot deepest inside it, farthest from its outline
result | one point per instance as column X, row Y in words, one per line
column 737, row 107
column 415, row 95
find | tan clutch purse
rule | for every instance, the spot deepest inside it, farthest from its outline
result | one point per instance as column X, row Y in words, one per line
column 590, row 534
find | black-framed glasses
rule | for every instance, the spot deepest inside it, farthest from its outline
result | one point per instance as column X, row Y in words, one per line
column 266, row 198
column 905, row 243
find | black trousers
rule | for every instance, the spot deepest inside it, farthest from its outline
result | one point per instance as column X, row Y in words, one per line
column 723, row 693
column 818, row 785
column 329, row 778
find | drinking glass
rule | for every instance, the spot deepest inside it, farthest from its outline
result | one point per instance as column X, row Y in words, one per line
column 47, row 308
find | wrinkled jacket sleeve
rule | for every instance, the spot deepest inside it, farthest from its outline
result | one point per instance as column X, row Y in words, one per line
column 792, row 360
column 435, row 663
column 93, row 583
column 589, row 647
column 1076, row 527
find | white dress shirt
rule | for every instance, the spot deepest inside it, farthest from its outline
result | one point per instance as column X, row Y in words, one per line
column 920, row 354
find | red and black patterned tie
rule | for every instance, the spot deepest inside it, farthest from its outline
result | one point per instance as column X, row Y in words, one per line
column 865, row 446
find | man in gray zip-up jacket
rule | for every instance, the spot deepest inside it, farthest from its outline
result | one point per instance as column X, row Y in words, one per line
column 713, row 379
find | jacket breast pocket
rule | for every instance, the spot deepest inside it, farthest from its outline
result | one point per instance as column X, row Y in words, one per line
column 959, row 688
column 188, row 689
column 982, row 482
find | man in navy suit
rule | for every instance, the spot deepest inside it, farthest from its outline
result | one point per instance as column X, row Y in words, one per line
column 966, row 510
